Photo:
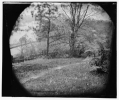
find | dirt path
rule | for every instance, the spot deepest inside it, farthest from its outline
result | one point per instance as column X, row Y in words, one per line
column 35, row 76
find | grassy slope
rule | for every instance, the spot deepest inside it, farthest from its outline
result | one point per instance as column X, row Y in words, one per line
column 61, row 76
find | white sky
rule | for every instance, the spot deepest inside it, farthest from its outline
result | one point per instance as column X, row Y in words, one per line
column 29, row 21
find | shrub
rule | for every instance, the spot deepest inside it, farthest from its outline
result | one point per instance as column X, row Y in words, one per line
column 19, row 59
column 105, row 66
column 53, row 55
column 79, row 51
column 95, row 62
column 101, row 61
column 88, row 54
column 44, row 52
column 56, row 53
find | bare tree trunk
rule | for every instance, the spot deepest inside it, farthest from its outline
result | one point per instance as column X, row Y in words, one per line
column 72, row 45
column 48, row 38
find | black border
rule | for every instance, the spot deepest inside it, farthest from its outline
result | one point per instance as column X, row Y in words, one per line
column 10, row 85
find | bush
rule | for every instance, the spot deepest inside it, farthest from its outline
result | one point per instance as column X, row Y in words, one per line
column 95, row 62
column 79, row 51
column 66, row 53
column 105, row 66
column 87, row 54
column 44, row 52
column 56, row 53
column 102, row 61
column 19, row 59
column 53, row 55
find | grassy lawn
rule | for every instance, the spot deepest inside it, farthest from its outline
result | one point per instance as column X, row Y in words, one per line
column 62, row 76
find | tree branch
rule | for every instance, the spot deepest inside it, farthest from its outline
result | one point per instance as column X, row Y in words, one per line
column 91, row 15
column 65, row 13
column 78, row 17
column 83, row 17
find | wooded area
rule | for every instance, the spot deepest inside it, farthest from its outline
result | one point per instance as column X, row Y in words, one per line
column 67, row 34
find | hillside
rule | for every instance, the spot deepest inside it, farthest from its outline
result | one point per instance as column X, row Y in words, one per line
column 60, row 77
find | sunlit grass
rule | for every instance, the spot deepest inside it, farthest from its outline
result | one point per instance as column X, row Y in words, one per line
column 59, row 75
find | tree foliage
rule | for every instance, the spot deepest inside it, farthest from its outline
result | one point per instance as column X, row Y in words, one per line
column 70, row 27
column 75, row 21
column 46, row 12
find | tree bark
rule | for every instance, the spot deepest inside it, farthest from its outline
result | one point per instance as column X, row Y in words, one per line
column 72, row 45
column 48, row 38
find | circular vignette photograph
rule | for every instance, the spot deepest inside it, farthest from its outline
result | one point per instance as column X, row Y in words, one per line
column 59, row 49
